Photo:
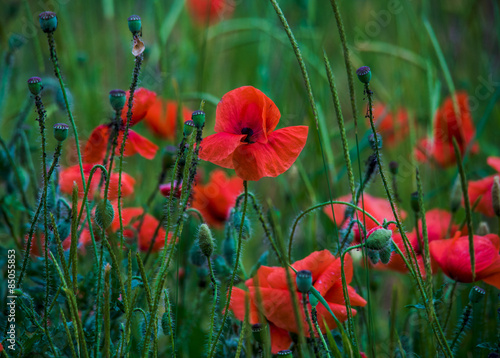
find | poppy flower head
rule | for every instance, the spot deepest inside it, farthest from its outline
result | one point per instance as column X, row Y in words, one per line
column 209, row 11
column 393, row 126
column 482, row 189
column 161, row 118
column 143, row 100
column 165, row 189
column 245, row 139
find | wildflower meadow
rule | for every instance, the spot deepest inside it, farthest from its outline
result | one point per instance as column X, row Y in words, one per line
column 239, row 178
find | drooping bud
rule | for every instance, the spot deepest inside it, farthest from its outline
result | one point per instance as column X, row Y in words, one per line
column 16, row 41
column 35, row 85
column 117, row 99
column 374, row 256
column 285, row 353
column 48, row 21
column 61, row 131
column 104, row 214
column 134, row 24
column 394, row 167
column 456, row 196
column 188, row 127
column 364, row 74
column 378, row 238
column 198, row 117
column 476, row 294
column 415, row 205
column 385, row 254
column 205, row 240
column 376, row 144
column 495, row 196
column 483, row 228
column 304, row 281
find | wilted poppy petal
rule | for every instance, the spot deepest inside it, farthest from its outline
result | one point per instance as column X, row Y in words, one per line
column 218, row 148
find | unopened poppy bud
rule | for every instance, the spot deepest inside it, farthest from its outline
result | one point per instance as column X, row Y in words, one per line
column 495, row 196
column 246, row 231
column 483, row 229
column 375, row 144
column 104, row 214
column 259, row 332
column 165, row 324
column 188, row 127
column 202, row 272
column 378, row 238
column 220, row 265
column 394, row 167
column 206, row 240
column 415, row 205
column 35, row 85
column 229, row 250
column 285, row 353
column 456, row 196
column 16, row 41
column 313, row 300
column 117, row 99
column 48, row 21
column 198, row 118
column 195, row 255
column 168, row 156
column 364, row 74
column 476, row 294
column 134, row 24
column 385, row 254
column 61, row 131
column 374, row 256
column 304, row 280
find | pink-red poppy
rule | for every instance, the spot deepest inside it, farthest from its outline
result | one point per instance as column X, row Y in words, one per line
column 481, row 189
column 393, row 126
column 142, row 102
column 161, row 118
column 271, row 286
column 215, row 199
column 166, row 188
column 453, row 256
column 209, row 11
column 245, row 138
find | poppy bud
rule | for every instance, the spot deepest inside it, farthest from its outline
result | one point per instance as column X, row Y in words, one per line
column 385, row 254
column 61, row 131
column 483, row 229
column 246, row 231
column 165, row 326
column 378, row 238
column 48, row 21
column 198, row 118
column 195, row 255
column 456, row 196
column 117, row 99
column 188, row 127
column 304, row 281
column 364, row 74
column 220, row 265
column 495, row 196
column 415, row 205
column 168, row 156
column 229, row 249
column 286, row 354
column 476, row 294
column 259, row 331
column 16, row 41
column 375, row 144
column 104, row 214
column 393, row 167
column 313, row 300
column 205, row 240
column 374, row 256
column 134, row 24
column 35, row 85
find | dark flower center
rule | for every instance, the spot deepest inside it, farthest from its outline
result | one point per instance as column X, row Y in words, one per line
column 249, row 133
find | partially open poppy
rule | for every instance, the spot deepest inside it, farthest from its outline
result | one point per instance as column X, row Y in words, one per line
column 162, row 118
column 245, row 138
column 271, row 286
column 143, row 100
column 209, row 11
column 393, row 126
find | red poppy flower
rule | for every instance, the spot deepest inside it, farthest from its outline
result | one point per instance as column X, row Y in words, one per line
column 481, row 189
column 276, row 302
column 392, row 126
column 453, row 257
column 379, row 208
column 245, row 138
column 165, row 190
column 494, row 162
column 216, row 198
column 72, row 174
column 38, row 244
column 209, row 11
column 143, row 100
column 162, row 118
column 446, row 127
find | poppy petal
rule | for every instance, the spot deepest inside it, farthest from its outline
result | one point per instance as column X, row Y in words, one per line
column 218, row 148
column 95, row 148
column 280, row 339
column 141, row 145
column 143, row 99
column 494, row 162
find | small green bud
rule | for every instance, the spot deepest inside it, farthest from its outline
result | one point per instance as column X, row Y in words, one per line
column 134, row 24
column 313, row 300
column 35, row 85
column 188, row 127
column 104, row 214
column 483, row 228
column 304, row 280
column 198, row 117
column 476, row 294
column 495, row 195
column 456, row 196
column 165, row 325
column 394, row 167
column 259, row 331
column 246, row 232
column 364, row 74
column 117, row 99
column 385, row 254
column 195, row 255
column 285, row 353
column 61, row 131
column 378, row 238
column 48, row 21
column 376, row 144
column 16, row 41
column 374, row 256
column 220, row 266
column 415, row 204
column 205, row 240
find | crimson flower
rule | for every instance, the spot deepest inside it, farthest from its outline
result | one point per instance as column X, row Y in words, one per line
column 392, row 126
column 165, row 189
column 481, row 189
column 245, row 138
column 143, row 100
column 209, row 11
column 271, row 286
column 161, row 118
column 453, row 256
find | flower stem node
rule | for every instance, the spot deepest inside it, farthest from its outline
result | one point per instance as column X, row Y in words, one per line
column 117, row 99
column 198, row 118
column 35, row 85
column 495, row 196
column 378, row 238
column 104, row 214
column 48, row 21
column 61, row 131
column 415, row 205
column 364, row 74
column 134, row 24
column 476, row 294
column 188, row 127
column 206, row 240
column 304, row 281
column 285, row 353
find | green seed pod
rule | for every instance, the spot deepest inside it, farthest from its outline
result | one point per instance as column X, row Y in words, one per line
column 134, row 24
column 259, row 332
column 495, row 195
column 61, row 131
column 364, row 74
column 476, row 294
column 16, row 41
column 304, row 280
column 117, row 99
column 48, row 21
column 205, row 240
column 188, row 127
column 59, row 97
column 313, row 300
column 483, row 229
column 198, row 117
column 285, row 353
column 104, row 214
column 456, row 196
column 378, row 238
column 35, row 85
column 415, row 204
column 385, row 254
column 374, row 256
column 64, row 228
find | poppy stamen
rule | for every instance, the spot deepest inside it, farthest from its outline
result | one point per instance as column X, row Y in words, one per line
column 249, row 133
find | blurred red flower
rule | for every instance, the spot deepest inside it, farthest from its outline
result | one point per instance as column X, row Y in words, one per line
column 245, row 138
column 481, row 189
column 446, row 127
column 392, row 126
column 162, row 118
column 143, row 100
column 209, row 11
column 165, row 189
column 215, row 199
column 72, row 174
column 38, row 244
column 453, row 256
column 276, row 303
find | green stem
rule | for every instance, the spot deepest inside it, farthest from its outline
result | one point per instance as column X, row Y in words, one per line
column 214, row 304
